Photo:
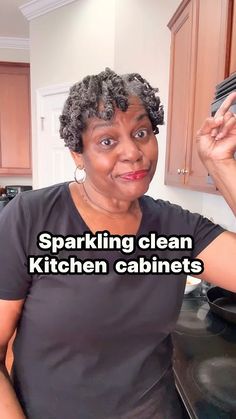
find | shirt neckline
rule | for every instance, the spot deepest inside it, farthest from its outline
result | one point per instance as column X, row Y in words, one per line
column 80, row 218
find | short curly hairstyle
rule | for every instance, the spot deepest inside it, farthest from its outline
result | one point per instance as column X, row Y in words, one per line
column 113, row 91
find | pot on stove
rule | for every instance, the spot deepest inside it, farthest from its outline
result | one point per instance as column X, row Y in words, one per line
column 223, row 303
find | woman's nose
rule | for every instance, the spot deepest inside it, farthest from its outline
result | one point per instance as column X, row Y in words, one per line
column 130, row 150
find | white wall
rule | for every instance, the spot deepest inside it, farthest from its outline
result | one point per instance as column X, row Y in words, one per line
column 127, row 35
column 215, row 208
column 14, row 55
column 17, row 56
column 72, row 41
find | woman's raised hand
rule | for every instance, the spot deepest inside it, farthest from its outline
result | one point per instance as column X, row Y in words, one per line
column 217, row 137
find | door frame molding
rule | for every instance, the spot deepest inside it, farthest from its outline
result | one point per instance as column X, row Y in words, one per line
column 51, row 90
column 41, row 93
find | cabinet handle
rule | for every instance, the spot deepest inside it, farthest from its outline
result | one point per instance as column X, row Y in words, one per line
column 42, row 118
column 182, row 171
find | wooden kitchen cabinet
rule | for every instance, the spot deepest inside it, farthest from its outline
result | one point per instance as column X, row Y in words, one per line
column 15, row 132
column 232, row 56
column 199, row 58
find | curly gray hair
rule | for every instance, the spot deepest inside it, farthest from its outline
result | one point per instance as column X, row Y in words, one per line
column 113, row 91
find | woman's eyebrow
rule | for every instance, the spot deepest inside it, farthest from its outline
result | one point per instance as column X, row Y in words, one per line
column 111, row 123
column 102, row 125
column 143, row 115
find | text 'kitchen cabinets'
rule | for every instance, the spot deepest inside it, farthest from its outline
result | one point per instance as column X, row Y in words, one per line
column 15, row 135
column 203, row 44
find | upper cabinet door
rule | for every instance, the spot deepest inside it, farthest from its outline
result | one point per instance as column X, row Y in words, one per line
column 15, row 138
column 232, row 58
column 209, row 70
column 180, row 85
column 198, row 63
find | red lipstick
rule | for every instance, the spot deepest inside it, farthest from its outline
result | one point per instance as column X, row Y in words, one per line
column 139, row 174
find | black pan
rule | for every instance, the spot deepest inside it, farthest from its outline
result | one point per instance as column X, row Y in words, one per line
column 222, row 303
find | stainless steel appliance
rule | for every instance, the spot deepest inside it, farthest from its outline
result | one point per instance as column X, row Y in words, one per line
column 10, row 192
column 223, row 89
column 13, row 190
column 3, row 201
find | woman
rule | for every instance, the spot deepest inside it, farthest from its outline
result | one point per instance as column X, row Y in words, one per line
column 98, row 346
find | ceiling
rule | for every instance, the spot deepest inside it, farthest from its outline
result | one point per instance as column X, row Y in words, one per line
column 12, row 21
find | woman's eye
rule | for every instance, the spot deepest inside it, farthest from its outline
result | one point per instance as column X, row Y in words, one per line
column 142, row 133
column 107, row 142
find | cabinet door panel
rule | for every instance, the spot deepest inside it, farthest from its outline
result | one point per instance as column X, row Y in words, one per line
column 232, row 66
column 210, row 70
column 179, row 96
column 14, row 121
column 201, row 58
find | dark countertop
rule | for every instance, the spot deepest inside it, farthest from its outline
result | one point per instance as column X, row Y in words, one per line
column 205, row 361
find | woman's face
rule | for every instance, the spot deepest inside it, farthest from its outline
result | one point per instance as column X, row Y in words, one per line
column 119, row 155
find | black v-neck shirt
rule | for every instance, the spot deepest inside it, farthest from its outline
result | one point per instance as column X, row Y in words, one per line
column 92, row 346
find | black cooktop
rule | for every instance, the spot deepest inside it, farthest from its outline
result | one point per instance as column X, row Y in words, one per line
column 205, row 361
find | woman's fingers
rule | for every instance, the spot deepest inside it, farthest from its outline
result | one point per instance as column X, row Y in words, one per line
column 209, row 124
column 224, row 119
column 229, row 124
column 223, row 109
column 220, row 127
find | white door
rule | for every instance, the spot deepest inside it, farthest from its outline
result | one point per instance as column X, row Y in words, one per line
column 54, row 162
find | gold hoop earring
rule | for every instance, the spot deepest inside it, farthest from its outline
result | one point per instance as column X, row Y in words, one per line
column 79, row 174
